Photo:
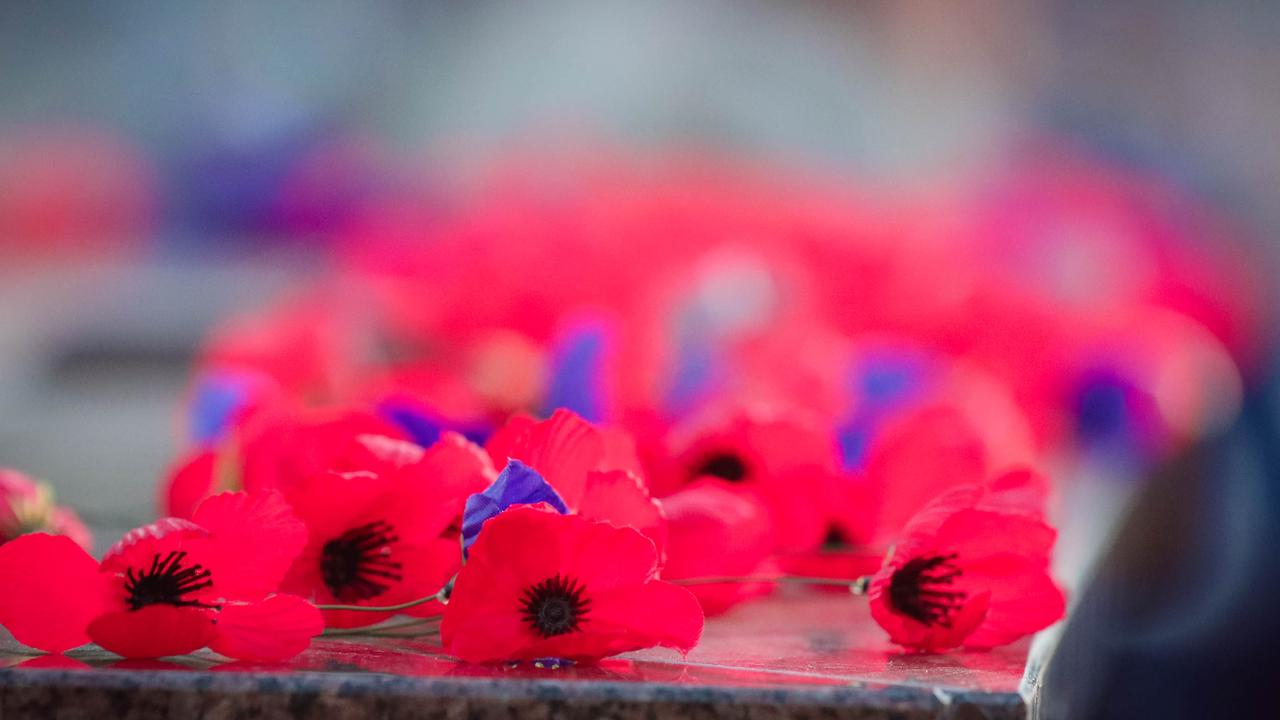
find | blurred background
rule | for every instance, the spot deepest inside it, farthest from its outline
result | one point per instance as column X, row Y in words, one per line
column 163, row 166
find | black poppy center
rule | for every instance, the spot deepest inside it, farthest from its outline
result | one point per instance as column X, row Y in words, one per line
column 724, row 465
column 917, row 589
column 357, row 565
column 169, row 581
column 555, row 606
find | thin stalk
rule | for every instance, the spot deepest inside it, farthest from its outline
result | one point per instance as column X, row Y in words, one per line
column 386, row 608
column 856, row 586
column 378, row 630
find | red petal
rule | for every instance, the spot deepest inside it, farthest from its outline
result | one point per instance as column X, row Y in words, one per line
column 978, row 534
column 917, row 459
column 713, row 514
column 187, row 484
column 276, row 628
column 496, row 635
column 282, row 450
column 1022, row 490
column 564, row 448
column 154, row 631
column 656, row 613
column 51, row 590
column 140, row 545
column 332, row 503
column 392, row 452
column 908, row 632
column 430, row 494
column 1024, row 600
column 620, row 452
column 255, row 540
column 501, row 443
column 619, row 497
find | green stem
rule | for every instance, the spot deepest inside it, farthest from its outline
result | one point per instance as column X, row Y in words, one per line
column 380, row 630
column 386, row 608
column 856, row 586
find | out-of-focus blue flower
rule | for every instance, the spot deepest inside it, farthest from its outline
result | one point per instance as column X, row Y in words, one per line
column 578, row 370
column 425, row 425
column 884, row 381
column 218, row 396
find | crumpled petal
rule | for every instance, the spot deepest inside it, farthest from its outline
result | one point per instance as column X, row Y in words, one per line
column 517, row 484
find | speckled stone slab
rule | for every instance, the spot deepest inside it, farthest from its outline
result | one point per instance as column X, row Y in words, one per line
column 801, row 655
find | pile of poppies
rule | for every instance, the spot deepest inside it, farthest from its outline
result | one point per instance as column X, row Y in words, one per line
column 572, row 413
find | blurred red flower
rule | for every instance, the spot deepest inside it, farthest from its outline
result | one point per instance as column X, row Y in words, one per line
column 539, row 584
column 718, row 530
column 282, row 448
column 27, row 506
column 785, row 457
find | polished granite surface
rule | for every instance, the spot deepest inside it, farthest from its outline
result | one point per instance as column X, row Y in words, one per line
column 795, row 655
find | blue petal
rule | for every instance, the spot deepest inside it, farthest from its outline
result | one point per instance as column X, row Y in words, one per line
column 424, row 426
column 517, row 484
column 218, row 396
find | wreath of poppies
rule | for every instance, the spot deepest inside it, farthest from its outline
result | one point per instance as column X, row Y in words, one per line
column 570, row 425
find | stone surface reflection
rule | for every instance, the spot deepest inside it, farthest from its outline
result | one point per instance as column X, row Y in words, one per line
column 819, row 648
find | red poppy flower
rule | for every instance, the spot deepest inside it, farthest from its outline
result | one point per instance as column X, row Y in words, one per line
column 594, row 471
column 281, row 449
column 539, row 584
column 306, row 344
column 275, row 448
column 168, row 588
column 384, row 524
column 916, row 457
column 718, row 530
column 971, row 568
column 786, row 458
column 27, row 506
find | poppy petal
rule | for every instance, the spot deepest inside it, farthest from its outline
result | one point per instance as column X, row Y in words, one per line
column 330, row 503
column 257, row 536
column 482, row 637
column 713, row 514
column 433, row 491
column 1023, row 601
column 51, row 591
column 501, row 444
column 564, row 448
column 154, row 631
column 277, row 628
column 187, row 483
column 140, row 545
column 517, row 484
column 621, row 498
column 908, row 632
column 656, row 613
